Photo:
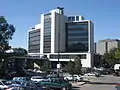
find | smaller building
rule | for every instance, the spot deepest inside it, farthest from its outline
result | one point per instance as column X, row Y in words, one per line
column 104, row 46
column 34, row 39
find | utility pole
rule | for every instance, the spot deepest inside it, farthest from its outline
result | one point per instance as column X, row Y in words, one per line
column 60, row 12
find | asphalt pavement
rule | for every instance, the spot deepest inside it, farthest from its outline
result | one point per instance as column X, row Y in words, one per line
column 106, row 82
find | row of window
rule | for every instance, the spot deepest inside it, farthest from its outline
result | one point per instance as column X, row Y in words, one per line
column 34, row 38
column 34, row 51
column 48, row 30
column 47, row 35
column 47, row 27
column 77, row 42
column 77, row 34
column 73, row 18
column 77, row 39
column 82, row 56
column 34, row 31
column 74, row 42
column 77, row 26
column 78, row 30
column 34, row 47
column 34, row 42
column 47, row 21
column 73, row 50
column 34, row 34
column 47, row 50
column 78, row 23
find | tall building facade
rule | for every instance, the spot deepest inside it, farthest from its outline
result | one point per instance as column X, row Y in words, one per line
column 76, row 38
column 34, row 39
column 104, row 46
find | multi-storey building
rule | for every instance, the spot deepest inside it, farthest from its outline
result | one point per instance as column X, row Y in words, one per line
column 34, row 40
column 76, row 38
column 104, row 46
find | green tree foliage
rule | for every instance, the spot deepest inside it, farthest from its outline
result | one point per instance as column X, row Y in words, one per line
column 78, row 65
column 20, row 50
column 6, row 33
column 71, row 67
column 112, row 57
column 117, row 54
column 46, row 66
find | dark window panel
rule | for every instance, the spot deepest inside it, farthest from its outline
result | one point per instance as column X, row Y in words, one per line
column 77, row 18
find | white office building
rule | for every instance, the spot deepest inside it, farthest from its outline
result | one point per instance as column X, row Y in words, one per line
column 76, row 38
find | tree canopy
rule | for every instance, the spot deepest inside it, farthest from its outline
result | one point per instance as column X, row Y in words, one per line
column 78, row 65
column 112, row 57
column 71, row 67
column 74, row 67
column 6, row 33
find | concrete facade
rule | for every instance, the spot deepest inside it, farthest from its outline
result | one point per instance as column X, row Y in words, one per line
column 51, row 23
column 104, row 46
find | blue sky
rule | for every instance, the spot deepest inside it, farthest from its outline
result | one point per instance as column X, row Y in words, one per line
column 26, row 13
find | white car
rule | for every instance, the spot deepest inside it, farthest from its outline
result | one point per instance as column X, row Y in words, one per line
column 90, row 74
column 37, row 78
column 4, row 84
column 73, row 78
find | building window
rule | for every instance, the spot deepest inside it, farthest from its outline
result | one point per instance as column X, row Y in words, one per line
column 73, row 18
column 69, row 18
column 47, row 34
column 82, row 56
column 77, row 34
column 77, row 18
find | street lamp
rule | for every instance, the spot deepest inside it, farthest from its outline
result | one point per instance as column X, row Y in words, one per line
column 60, row 12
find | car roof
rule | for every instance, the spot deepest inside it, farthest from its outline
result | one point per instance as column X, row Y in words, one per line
column 3, row 80
column 36, row 76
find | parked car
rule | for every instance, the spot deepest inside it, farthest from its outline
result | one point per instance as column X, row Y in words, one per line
column 38, row 78
column 21, row 79
column 27, row 85
column 90, row 74
column 4, row 84
column 96, row 74
column 117, row 86
column 73, row 78
column 56, row 83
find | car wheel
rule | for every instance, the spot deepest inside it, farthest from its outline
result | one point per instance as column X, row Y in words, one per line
column 77, row 80
column 67, row 79
column 63, row 88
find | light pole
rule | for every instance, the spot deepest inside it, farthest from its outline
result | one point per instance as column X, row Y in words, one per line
column 60, row 10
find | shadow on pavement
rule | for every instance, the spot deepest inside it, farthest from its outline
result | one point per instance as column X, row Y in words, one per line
column 102, row 83
column 75, row 88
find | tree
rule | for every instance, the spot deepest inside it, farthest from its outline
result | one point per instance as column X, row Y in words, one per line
column 6, row 33
column 71, row 67
column 46, row 66
column 110, row 57
column 117, row 54
column 78, row 65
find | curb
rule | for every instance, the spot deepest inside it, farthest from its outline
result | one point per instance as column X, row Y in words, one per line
column 78, row 83
column 82, row 83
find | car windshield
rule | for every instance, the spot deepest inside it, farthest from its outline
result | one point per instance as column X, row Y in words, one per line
column 6, row 82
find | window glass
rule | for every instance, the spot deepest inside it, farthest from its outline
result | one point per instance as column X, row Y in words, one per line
column 77, row 18
column 73, row 18
column 69, row 18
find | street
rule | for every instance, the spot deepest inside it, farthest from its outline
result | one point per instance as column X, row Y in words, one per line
column 101, row 83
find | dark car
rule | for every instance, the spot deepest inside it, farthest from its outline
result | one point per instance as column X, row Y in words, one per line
column 56, row 84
